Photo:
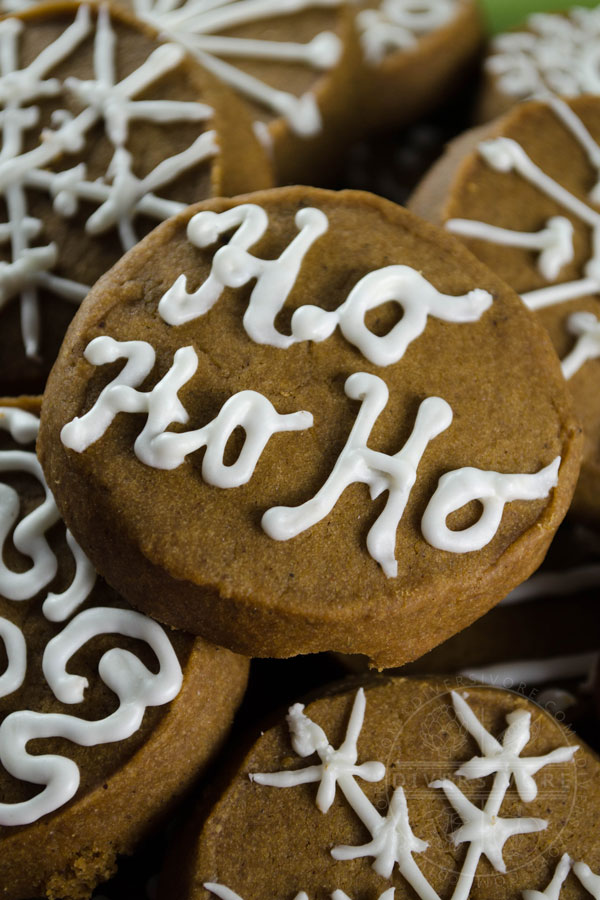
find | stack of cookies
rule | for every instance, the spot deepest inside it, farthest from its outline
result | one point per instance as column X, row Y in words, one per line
column 244, row 419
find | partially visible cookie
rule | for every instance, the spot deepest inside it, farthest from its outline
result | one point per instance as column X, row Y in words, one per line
column 106, row 132
column 106, row 717
column 293, row 64
column 313, row 422
column 414, row 54
column 556, row 52
column 523, row 195
column 408, row 788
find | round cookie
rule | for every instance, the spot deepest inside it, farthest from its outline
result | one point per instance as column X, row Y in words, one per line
column 106, row 718
column 408, row 788
column 316, row 519
column 555, row 52
column 414, row 54
column 105, row 133
column 293, row 64
column 506, row 191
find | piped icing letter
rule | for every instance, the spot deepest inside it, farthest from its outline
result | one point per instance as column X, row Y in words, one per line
column 162, row 449
column 380, row 471
column 233, row 267
column 493, row 491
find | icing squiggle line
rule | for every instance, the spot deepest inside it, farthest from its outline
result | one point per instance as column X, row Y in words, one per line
column 233, row 266
column 166, row 450
column 29, row 536
column 136, row 687
column 16, row 652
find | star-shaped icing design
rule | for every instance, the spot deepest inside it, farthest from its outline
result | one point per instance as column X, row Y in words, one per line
column 336, row 765
column 506, row 756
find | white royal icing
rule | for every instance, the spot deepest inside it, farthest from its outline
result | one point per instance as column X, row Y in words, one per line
column 155, row 446
column 393, row 842
column 119, row 195
column 233, row 266
column 198, row 26
column 493, row 491
column 398, row 24
column 357, row 463
column 555, row 584
column 29, row 535
column 16, row 652
column 554, row 242
column 135, row 686
column 381, row 472
column 557, row 52
column 565, row 865
column 225, row 893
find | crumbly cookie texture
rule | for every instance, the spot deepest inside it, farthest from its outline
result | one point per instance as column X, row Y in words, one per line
column 419, row 787
column 335, row 501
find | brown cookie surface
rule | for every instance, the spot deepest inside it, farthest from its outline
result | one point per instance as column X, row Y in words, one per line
column 512, row 176
column 413, row 55
column 107, row 718
column 422, row 786
column 551, row 52
column 293, row 65
column 359, row 573
column 106, row 133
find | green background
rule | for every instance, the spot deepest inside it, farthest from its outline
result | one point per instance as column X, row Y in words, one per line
column 502, row 14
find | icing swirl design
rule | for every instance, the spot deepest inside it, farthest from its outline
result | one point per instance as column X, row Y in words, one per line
column 133, row 683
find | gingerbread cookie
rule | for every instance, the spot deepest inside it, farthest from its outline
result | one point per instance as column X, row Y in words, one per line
column 552, row 52
column 408, row 789
column 267, row 330
column 105, row 133
column 507, row 192
column 293, row 64
column 106, row 718
column 414, row 54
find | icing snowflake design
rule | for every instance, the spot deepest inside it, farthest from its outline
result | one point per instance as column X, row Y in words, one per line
column 393, row 842
column 134, row 684
column 554, row 242
column 202, row 26
column 581, row 871
column 398, row 24
column 199, row 25
column 557, row 53
column 119, row 195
